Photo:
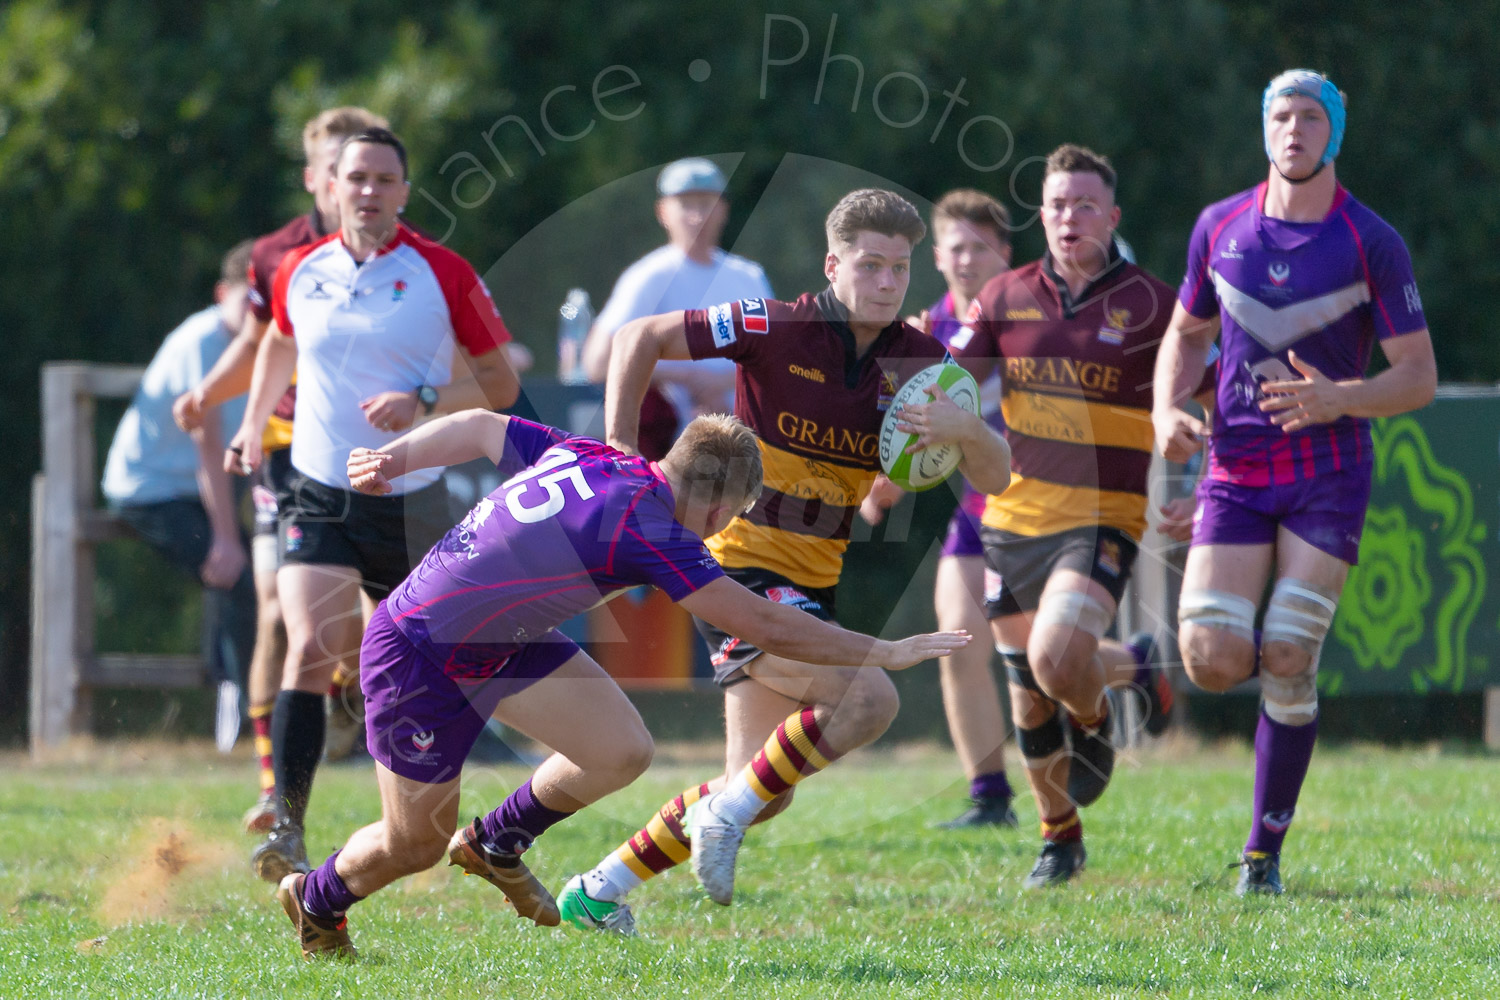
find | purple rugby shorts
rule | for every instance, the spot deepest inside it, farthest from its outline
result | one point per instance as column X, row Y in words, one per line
column 1327, row 512
column 420, row 722
column 963, row 527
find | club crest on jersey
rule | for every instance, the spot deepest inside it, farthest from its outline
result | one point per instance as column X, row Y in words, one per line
column 1279, row 271
column 1116, row 322
column 423, row 741
column 753, row 315
column 887, row 391
column 721, row 324
column 398, row 290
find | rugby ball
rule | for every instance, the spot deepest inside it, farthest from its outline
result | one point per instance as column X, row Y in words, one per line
column 924, row 469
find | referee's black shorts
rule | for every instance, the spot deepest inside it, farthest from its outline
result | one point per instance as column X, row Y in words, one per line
column 381, row 537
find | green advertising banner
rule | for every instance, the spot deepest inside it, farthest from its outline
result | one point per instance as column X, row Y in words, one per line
column 1421, row 612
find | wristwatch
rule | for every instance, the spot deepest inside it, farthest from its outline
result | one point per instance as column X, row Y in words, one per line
column 428, row 397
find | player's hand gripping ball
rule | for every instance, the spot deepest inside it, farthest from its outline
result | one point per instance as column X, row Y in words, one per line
column 925, row 468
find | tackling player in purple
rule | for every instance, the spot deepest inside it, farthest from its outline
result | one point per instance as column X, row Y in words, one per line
column 471, row 634
column 1299, row 280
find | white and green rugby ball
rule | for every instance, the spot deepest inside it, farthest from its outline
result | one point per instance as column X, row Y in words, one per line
column 924, row 469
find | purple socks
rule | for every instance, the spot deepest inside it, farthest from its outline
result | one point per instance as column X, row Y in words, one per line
column 1282, row 754
column 520, row 819
column 324, row 894
column 990, row 786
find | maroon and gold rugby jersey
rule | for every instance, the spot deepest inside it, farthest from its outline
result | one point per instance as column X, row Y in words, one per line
column 265, row 257
column 1076, row 393
column 816, row 409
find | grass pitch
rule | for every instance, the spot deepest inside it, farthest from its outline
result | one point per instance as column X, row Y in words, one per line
column 123, row 874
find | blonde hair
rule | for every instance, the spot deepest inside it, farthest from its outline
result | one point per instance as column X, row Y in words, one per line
column 876, row 211
column 975, row 208
column 337, row 123
column 235, row 268
column 718, row 459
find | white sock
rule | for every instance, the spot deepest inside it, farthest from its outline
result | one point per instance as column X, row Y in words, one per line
column 611, row 880
column 737, row 803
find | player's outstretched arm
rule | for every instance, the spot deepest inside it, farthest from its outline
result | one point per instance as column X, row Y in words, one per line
column 450, row 440
column 796, row 635
column 638, row 346
column 1179, row 370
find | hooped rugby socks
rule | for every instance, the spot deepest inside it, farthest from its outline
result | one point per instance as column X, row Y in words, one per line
column 260, row 723
column 324, row 893
column 794, row 751
column 297, row 728
column 515, row 825
column 661, row 844
column 1282, row 756
column 1062, row 828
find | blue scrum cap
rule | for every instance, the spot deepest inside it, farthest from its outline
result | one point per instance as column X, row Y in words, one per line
column 1319, row 88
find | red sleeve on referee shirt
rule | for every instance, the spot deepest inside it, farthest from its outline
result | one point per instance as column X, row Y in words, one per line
column 476, row 322
column 283, row 280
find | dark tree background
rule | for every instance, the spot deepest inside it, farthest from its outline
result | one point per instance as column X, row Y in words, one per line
column 140, row 140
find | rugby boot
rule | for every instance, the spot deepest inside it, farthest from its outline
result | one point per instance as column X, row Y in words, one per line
column 260, row 817
column 1260, row 874
column 506, row 872
column 716, row 846
column 981, row 813
column 282, row 853
column 315, row 935
column 584, row 911
column 1057, row 863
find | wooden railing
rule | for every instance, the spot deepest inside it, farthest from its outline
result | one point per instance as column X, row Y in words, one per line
column 66, row 526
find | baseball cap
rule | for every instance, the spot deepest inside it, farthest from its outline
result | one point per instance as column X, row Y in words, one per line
column 692, row 174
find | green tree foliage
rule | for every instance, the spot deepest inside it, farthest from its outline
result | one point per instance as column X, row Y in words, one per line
column 140, row 140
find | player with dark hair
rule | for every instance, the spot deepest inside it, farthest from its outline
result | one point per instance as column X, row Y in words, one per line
column 815, row 377
column 322, row 137
column 1298, row 280
column 471, row 633
column 1076, row 333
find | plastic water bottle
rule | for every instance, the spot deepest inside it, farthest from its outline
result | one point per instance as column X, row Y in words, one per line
column 573, row 321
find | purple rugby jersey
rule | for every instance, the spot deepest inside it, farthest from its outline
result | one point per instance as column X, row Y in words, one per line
column 1324, row 289
column 574, row 523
